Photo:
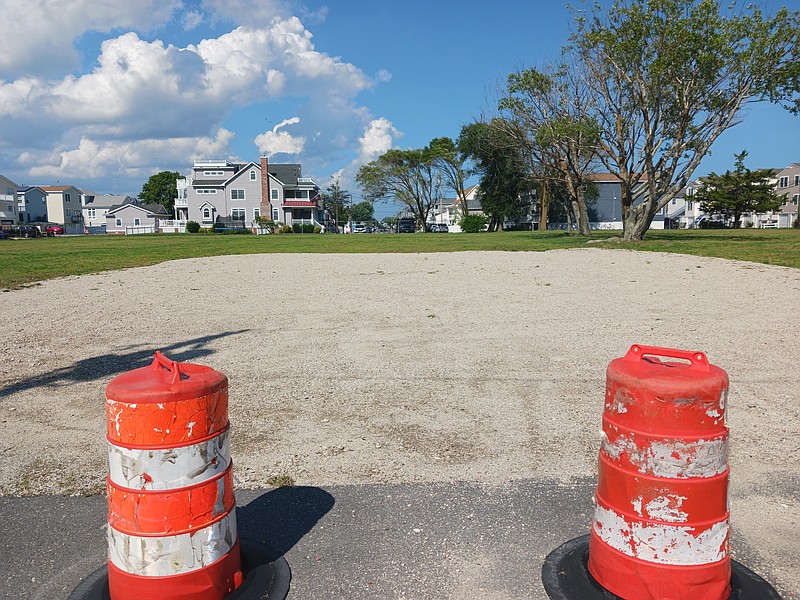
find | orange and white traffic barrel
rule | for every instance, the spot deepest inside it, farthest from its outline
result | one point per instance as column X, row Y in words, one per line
column 661, row 523
column 171, row 510
column 660, row 527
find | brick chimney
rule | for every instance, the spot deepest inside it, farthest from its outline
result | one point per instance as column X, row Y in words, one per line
column 266, row 207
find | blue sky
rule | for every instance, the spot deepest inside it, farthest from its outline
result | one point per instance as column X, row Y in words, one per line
column 101, row 94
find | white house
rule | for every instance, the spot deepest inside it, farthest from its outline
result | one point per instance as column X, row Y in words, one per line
column 8, row 202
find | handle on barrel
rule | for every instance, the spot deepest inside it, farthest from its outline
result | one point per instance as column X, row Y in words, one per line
column 170, row 365
column 697, row 359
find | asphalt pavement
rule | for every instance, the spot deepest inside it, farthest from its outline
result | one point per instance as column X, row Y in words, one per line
column 444, row 540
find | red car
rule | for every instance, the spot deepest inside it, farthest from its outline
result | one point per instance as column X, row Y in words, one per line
column 54, row 230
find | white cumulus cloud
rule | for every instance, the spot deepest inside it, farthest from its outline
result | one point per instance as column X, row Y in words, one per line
column 280, row 142
column 44, row 30
column 378, row 138
column 146, row 102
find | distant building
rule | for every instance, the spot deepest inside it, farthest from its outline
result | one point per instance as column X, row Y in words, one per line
column 96, row 206
column 8, row 202
column 227, row 193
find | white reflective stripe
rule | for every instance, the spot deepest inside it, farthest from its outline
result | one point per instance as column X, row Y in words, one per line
column 168, row 468
column 671, row 458
column 662, row 544
column 173, row 555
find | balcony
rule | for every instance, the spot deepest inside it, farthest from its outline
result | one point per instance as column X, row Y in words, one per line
column 181, row 202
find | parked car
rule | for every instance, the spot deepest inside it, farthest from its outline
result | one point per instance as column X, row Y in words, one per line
column 29, row 231
column 359, row 228
column 54, row 230
column 406, row 226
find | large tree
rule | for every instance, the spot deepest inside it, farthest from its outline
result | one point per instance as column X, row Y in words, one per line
column 550, row 109
column 406, row 176
column 451, row 164
column 161, row 189
column 499, row 160
column 735, row 193
column 668, row 77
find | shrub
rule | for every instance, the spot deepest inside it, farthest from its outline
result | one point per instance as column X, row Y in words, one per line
column 473, row 223
column 748, row 223
column 286, row 229
column 317, row 229
column 192, row 227
column 796, row 223
column 304, row 228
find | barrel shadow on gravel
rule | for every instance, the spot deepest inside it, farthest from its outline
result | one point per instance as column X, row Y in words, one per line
column 106, row 366
column 281, row 517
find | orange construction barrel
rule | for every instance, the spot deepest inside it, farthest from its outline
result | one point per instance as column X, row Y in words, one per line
column 660, row 528
column 171, row 509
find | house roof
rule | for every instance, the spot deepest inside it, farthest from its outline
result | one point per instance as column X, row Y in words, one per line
column 104, row 200
column 154, row 210
column 287, row 174
column 57, row 188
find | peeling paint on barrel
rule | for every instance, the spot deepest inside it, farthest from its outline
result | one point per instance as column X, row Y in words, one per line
column 671, row 458
column 663, row 544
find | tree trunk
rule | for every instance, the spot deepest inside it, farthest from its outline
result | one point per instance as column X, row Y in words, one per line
column 582, row 212
column 545, row 205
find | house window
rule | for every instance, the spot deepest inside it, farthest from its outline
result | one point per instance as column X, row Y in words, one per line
column 689, row 205
column 67, row 198
column 118, row 222
column 256, row 213
column 206, row 214
column 238, row 214
column 674, row 201
column 797, row 179
column 137, row 222
column 274, row 194
column 275, row 214
column 91, row 213
column 795, row 198
column 206, row 191
column 252, row 175
column 237, row 194
column 214, row 173
column 784, row 181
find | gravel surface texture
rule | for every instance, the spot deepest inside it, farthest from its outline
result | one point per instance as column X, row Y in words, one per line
column 410, row 368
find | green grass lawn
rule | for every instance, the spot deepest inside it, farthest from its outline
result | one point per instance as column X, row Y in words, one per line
column 25, row 261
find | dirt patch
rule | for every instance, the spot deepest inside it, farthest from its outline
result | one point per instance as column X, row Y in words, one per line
column 349, row 369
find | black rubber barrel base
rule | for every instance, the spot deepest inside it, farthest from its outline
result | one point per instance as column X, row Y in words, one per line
column 565, row 576
column 265, row 578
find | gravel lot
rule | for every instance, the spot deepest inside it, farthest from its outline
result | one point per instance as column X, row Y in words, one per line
column 388, row 368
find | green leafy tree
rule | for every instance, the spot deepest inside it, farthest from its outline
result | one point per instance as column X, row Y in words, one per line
column 363, row 212
column 742, row 191
column 336, row 201
column 161, row 189
column 405, row 176
column 550, row 112
column 502, row 168
column 451, row 164
column 668, row 77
